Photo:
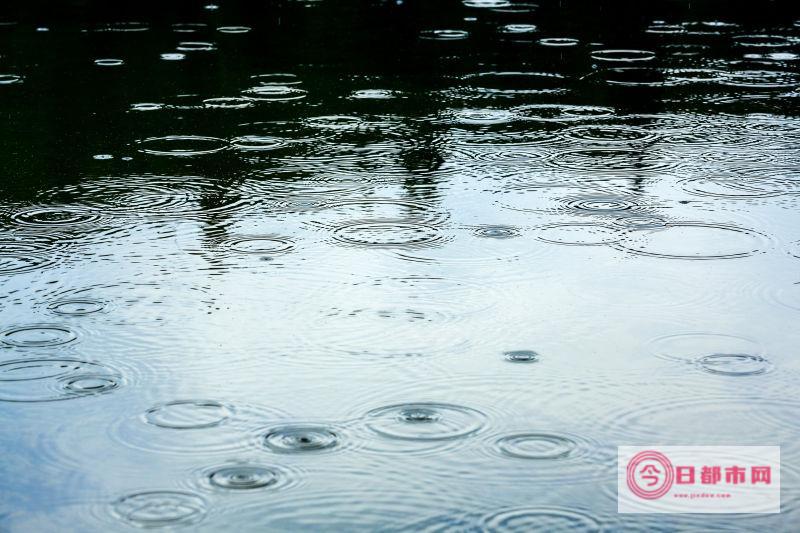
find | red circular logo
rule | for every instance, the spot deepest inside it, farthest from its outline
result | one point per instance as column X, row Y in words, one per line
column 650, row 474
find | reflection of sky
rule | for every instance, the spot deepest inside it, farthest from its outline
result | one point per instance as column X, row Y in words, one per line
column 326, row 330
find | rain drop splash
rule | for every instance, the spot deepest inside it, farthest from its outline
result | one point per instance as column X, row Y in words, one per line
column 497, row 232
column 242, row 477
column 301, row 438
column 49, row 380
column 444, row 35
column 182, row 145
column 425, row 421
column 522, row 356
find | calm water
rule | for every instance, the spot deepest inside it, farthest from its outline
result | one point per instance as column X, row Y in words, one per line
column 391, row 266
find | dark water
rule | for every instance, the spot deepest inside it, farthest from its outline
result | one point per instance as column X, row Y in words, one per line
column 391, row 265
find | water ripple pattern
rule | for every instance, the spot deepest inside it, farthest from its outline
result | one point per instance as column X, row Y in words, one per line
column 391, row 265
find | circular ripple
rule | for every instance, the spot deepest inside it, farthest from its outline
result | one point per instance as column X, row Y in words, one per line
column 260, row 245
column 623, row 56
column 537, row 446
column 188, row 414
column 691, row 347
column 18, row 257
column 373, row 94
column 552, row 520
column 577, row 234
column 277, row 78
column 227, row 103
column 738, row 187
column 37, row 336
column 760, row 79
column 147, row 106
column 257, row 143
column 518, row 29
column 154, row 195
column 762, row 41
column 521, row 356
column 610, row 134
column 163, row 508
column 234, row 29
column 695, row 241
column 425, row 421
column 182, row 145
column 387, row 234
column 559, row 41
column 497, row 232
column 734, row 364
column 275, row 93
column 195, row 46
column 53, row 216
column 486, row 4
column 9, row 79
column 76, row 307
column 109, row 62
column 600, row 205
column 188, row 27
column 242, row 477
column 719, row 419
column 301, row 438
column 613, row 160
column 518, row 82
column 444, row 35
column 47, row 380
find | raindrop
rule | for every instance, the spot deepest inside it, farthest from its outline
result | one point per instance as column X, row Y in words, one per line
column 301, row 438
column 243, row 477
column 522, row 356
column 497, row 232
column 425, row 421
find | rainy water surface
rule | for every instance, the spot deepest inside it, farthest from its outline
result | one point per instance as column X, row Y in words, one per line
column 391, row 265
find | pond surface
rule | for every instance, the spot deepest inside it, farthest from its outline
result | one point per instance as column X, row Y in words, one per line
column 317, row 265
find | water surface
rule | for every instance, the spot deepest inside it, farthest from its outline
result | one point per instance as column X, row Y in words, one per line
column 317, row 265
